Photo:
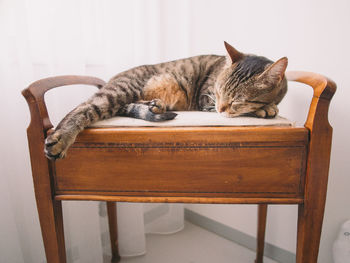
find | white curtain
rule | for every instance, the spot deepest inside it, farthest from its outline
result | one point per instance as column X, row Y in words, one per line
column 88, row 37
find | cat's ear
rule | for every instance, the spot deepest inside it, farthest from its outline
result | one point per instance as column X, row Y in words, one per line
column 275, row 72
column 233, row 54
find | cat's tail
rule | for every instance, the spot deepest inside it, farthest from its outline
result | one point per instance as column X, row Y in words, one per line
column 143, row 111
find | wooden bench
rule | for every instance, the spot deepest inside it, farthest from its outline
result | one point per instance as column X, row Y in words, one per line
column 213, row 165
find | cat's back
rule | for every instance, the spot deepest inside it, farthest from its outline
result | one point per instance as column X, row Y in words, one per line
column 181, row 68
column 193, row 65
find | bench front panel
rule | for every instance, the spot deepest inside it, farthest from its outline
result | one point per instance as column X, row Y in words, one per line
column 146, row 167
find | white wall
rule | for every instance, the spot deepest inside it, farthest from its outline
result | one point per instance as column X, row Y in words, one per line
column 313, row 34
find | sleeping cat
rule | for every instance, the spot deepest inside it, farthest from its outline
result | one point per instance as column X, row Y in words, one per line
column 238, row 84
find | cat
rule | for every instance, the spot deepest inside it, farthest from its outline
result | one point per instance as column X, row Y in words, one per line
column 233, row 85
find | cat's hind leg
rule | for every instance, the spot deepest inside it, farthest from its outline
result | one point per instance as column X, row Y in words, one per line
column 156, row 106
column 153, row 110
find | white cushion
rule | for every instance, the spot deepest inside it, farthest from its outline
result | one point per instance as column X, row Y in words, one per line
column 194, row 118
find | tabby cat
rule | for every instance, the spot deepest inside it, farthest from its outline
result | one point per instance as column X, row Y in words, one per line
column 238, row 84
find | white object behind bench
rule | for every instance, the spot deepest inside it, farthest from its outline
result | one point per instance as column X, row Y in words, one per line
column 341, row 246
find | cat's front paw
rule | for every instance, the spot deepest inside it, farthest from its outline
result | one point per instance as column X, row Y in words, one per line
column 157, row 106
column 268, row 111
column 57, row 144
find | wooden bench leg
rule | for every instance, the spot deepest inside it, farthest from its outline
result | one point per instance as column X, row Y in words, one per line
column 51, row 222
column 113, row 231
column 262, row 213
column 309, row 234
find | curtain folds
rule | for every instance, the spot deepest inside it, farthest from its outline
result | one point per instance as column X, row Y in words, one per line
column 99, row 38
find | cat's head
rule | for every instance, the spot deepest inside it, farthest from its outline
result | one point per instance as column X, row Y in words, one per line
column 249, row 82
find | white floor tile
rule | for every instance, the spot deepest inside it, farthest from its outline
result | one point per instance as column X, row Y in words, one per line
column 193, row 245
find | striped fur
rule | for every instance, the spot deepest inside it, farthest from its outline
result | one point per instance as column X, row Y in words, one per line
column 236, row 85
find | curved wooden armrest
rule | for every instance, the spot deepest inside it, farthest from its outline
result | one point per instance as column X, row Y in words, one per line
column 324, row 89
column 34, row 94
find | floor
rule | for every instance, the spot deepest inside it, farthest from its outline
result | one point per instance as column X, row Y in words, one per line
column 193, row 245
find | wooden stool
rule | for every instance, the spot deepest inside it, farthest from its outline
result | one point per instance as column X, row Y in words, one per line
column 212, row 165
